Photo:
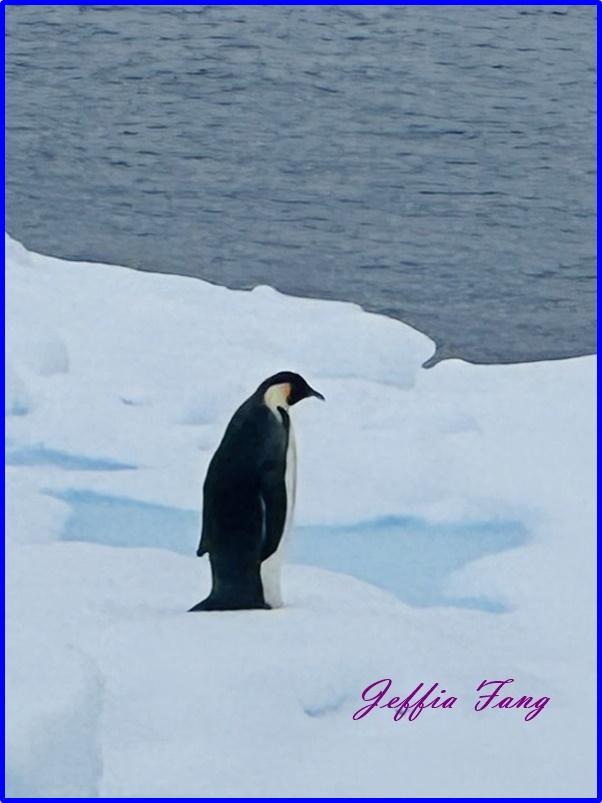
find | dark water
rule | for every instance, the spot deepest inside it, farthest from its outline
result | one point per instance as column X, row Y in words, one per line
column 436, row 164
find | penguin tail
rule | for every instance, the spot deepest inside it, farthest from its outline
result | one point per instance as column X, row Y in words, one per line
column 205, row 605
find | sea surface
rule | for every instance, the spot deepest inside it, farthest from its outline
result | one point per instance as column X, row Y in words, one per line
column 435, row 164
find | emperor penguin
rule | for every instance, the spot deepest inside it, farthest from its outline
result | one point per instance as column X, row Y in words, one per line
column 249, row 496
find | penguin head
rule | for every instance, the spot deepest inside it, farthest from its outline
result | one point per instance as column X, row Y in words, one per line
column 290, row 387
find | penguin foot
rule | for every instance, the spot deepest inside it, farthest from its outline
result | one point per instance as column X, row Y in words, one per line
column 223, row 605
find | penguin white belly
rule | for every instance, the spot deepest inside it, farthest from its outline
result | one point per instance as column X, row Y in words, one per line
column 270, row 568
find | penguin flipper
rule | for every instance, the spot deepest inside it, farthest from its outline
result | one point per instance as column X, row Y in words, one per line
column 273, row 494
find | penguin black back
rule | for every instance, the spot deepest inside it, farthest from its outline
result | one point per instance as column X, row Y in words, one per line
column 245, row 496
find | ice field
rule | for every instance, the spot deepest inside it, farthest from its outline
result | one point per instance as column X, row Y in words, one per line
column 445, row 534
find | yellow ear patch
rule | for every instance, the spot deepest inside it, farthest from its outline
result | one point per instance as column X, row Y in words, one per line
column 277, row 396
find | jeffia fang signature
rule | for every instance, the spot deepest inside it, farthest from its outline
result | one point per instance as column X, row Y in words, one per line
column 415, row 702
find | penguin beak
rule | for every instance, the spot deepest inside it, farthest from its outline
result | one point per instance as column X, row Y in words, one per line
column 317, row 395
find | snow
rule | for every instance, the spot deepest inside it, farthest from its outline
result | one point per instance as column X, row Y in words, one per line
column 447, row 517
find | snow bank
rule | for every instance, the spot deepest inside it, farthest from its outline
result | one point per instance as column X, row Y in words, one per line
column 468, row 491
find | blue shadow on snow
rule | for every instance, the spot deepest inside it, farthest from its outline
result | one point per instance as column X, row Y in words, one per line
column 41, row 456
column 407, row 556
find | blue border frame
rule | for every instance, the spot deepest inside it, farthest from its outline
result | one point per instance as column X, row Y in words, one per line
column 353, row 3
column 598, row 3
